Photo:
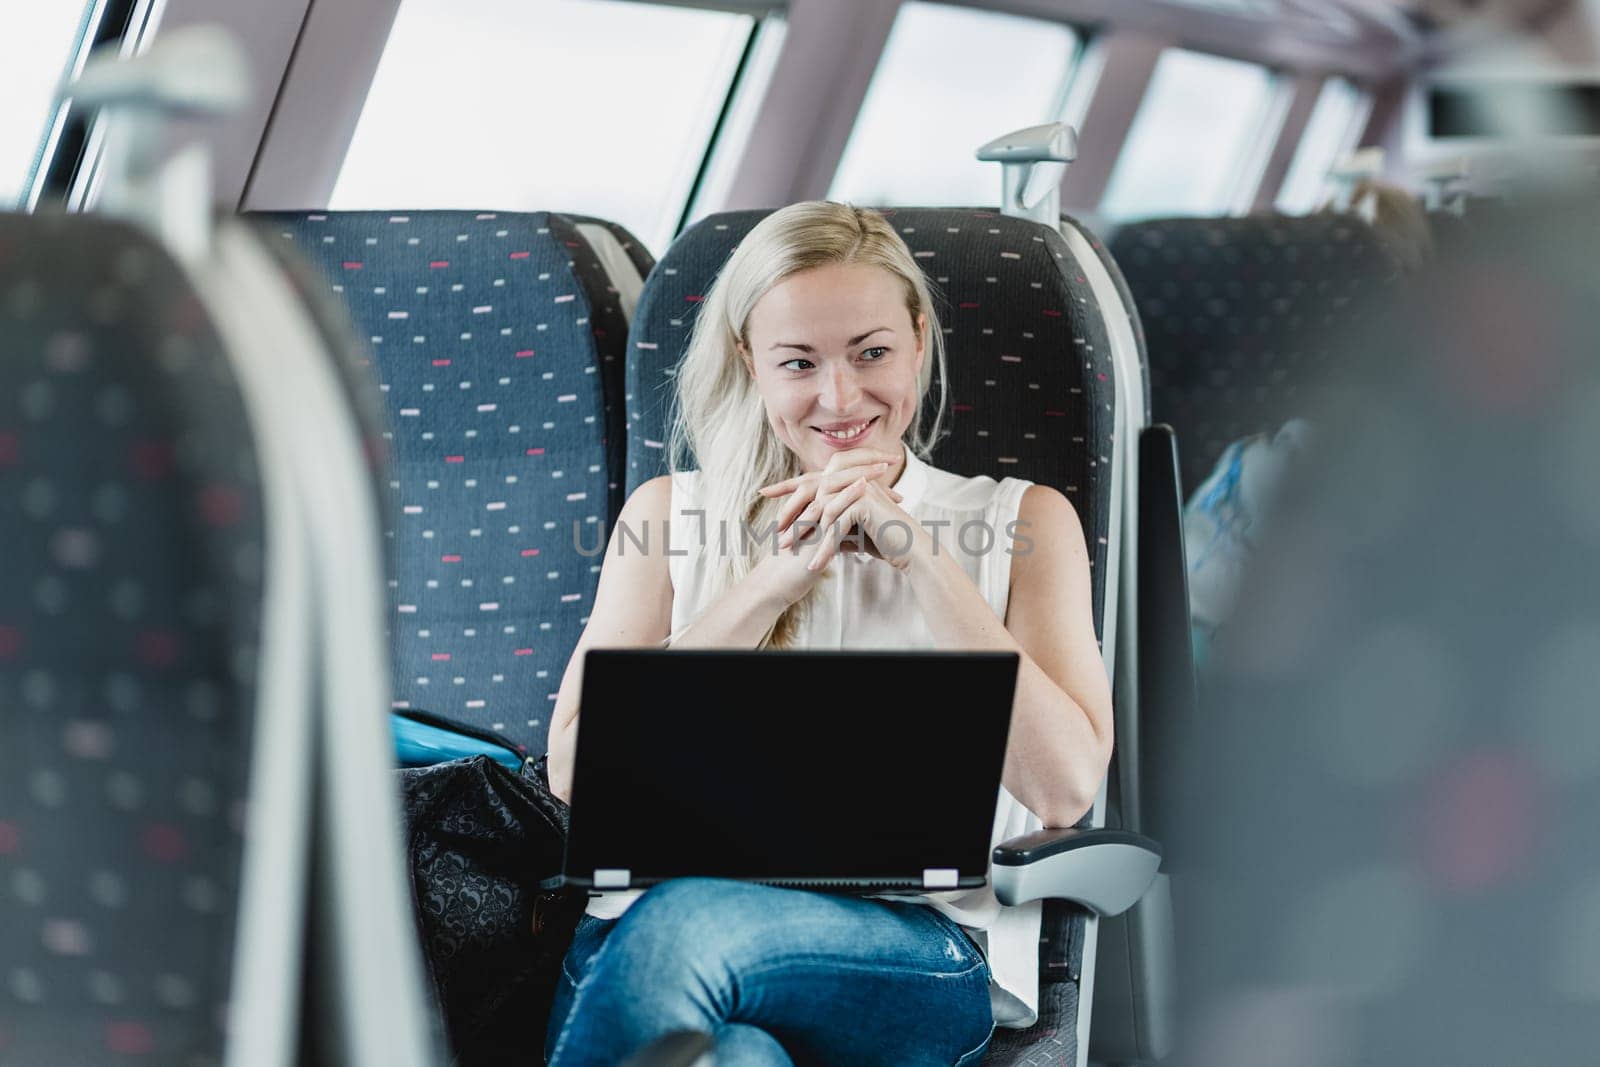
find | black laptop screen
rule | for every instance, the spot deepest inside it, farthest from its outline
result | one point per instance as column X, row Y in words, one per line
column 788, row 765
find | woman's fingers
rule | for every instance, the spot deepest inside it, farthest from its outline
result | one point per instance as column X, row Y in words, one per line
column 803, row 523
column 820, row 487
column 831, row 480
column 798, row 504
column 815, row 514
column 840, row 480
column 822, row 512
column 860, row 457
column 840, row 502
column 834, row 515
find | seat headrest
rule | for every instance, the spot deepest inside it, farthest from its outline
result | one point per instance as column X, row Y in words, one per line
column 1239, row 314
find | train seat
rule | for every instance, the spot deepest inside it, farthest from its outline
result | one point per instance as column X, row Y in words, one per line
column 1239, row 314
column 1032, row 393
column 498, row 340
column 150, row 659
column 1407, row 693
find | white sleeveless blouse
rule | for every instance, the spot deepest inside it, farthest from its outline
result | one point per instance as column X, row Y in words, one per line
column 864, row 603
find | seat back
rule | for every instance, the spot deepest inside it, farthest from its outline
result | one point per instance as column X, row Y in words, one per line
column 1404, row 705
column 132, row 658
column 497, row 339
column 363, row 982
column 1239, row 314
column 1032, row 394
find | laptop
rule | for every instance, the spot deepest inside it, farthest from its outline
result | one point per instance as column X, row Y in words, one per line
column 845, row 771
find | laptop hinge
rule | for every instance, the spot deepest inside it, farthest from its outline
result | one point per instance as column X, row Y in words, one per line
column 940, row 878
column 612, row 877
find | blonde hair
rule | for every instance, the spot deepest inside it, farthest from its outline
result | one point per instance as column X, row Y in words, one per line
column 720, row 420
column 1398, row 219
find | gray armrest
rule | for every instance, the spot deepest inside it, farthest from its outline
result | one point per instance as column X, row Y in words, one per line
column 681, row 1048
column 1106, row 871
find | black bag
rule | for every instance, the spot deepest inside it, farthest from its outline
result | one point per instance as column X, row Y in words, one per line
column 479, row 840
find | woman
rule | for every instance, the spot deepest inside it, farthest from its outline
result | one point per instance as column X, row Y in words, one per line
column 801, row 395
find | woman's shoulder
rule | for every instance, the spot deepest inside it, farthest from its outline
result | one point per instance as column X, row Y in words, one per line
column 657, row 497
column 651, row 500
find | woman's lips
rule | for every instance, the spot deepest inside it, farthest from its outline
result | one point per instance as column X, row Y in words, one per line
column 851, row 441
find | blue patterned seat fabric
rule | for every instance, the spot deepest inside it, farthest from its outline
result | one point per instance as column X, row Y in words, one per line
column 130, row 602
column 1030, row 393
column 1124, row 297
column 498, row 344
column 1240, row 315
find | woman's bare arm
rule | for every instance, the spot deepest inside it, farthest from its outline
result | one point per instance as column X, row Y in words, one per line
column 632, row 609
column 1061, row 723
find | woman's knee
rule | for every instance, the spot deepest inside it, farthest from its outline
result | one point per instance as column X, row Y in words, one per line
column 681, row 921
column 670, row 947
column 738, row 1043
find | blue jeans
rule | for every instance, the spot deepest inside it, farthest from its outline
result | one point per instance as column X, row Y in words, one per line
column 776, row 976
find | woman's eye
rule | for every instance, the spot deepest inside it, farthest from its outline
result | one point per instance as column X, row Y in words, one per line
column 796, row 364
column 875, row 353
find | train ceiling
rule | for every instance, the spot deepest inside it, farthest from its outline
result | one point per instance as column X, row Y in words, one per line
column 1354, row 19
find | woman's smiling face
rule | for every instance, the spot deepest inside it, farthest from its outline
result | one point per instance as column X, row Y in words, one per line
column 836, row 359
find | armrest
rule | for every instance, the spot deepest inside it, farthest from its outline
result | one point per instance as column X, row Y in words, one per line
column 1168, row 701
column 681, row 1048
column 1106, row 871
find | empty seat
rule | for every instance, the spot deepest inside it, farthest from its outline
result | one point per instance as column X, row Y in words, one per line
column 498, row 339
column 1240, row 313
column 135, row 660
column 1405, row 702
column 195, row 586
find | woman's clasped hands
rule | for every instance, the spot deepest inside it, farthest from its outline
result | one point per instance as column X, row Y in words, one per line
column 845, row 505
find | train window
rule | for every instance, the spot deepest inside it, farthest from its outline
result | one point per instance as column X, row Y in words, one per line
column 570, row 105
column 1335, row 127
column 739, row 120
column 950, row 79
column 1195, row 143
column 36, row 52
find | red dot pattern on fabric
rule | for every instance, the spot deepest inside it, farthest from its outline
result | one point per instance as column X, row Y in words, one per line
column 130, row 1038
column 157, row 648
column 151, row 460
column 1481, row 822
column 221, row 505
column 163, row 842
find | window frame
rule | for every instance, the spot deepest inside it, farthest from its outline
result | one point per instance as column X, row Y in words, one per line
column 66, row 167
column 1088, row 61
column 1251, row 170
column 730, row 135
column 1353, row 134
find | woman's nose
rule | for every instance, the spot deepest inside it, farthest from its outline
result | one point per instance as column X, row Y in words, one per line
column 839, row 388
